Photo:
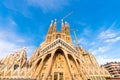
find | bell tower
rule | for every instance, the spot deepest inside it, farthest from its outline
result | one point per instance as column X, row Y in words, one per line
column 63, row 34
column 63, row 27
column 54, row 26
column 50, row 28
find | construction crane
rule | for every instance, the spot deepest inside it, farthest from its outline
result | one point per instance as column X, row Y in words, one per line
column 65, row 17
column 74, row 31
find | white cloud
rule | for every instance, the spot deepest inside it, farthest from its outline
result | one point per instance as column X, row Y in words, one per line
column 30, row 50
column 82, row 41
column 8, row 30
column 86, row 32
column 7, row 47
column 19, row 6
column 7, row 22
column 10, row 41
column 82, row 37
column 82, row 23
column 107, row 34
column 92, row 43
column 103, row 44
column 100, row 50
column 113, row 40
column 47, row 5
column 110, row 33
column 13, row 23
column 23, row 6
column 104, row 59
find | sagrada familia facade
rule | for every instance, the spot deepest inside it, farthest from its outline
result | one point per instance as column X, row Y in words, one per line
column 55, row 59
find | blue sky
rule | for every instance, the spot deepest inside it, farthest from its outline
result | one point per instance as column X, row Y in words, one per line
column 24, row 23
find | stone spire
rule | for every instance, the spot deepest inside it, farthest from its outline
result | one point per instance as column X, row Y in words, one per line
column 51, row 27
column 63, row 26
column 67, row 28
column 54, row 26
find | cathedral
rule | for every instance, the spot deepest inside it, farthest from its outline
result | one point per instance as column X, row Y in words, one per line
column 57, row 58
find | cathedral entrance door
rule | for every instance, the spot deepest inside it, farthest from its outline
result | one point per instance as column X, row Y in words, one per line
column 58, row 76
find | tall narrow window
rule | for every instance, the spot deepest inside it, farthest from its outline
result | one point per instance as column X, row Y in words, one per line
column 55, row 76
column 60, row 76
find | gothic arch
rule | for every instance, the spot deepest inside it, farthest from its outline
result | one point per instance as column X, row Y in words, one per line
column 60, row 64
column 36, row 66
column 55, row 55
column 70, row 57
column 38, row 62
column 43, row 67
column 74, row 67
column 78, row 62
column 47, row 57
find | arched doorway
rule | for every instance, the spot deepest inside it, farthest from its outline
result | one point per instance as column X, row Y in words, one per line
column 60, row 69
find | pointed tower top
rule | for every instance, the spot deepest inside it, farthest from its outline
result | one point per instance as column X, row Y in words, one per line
column 54, row 26
column 51, row 27
column 55, row 21
column 66, row 24
column 62, row 21
column 63, row 26
column 51, row 23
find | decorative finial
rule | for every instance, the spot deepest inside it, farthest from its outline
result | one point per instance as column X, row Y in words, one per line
column 55, row 20
column 51, row 23
column 24, row 47
column 65, row 22
column 62, row 21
